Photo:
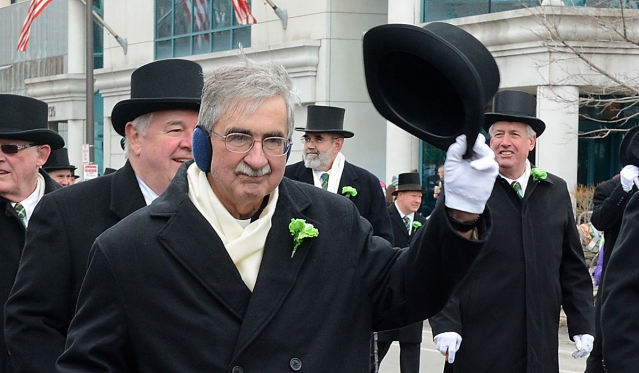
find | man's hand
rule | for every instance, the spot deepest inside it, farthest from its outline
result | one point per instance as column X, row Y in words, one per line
column 469, row 182
column 448, row 342
column 628, row 175
column 583, row 343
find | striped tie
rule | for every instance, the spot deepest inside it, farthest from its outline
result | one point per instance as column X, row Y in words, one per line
column 22, row 213
column 324, row 178
column 407, row 223
column 517, row 187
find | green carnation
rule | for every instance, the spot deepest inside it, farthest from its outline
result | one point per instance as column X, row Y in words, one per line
column 349, row 191
column 300, row 230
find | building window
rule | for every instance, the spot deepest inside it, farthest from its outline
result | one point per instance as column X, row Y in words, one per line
column 188, row 27
column 437, row 10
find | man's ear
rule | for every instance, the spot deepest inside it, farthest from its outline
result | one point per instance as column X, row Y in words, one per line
column 339, row 142
column 533, row 142
column 133, row 137
column 44, row 151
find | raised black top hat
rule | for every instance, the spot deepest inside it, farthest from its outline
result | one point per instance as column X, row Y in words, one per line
column 624, row 158
column 25, row 118
column 408, row 182
column 160, row 85
column 633, row 151
column 515, row 106
column 433, row 81
column 325, row 119
column 58, row 160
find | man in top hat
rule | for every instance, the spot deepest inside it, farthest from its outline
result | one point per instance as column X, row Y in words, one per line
column 25, row 145
column 406, row 220
column 505, row 315
column 324, row 166
column 59, row 169
column 236, row 268
column 608, row 204
column 158, row 122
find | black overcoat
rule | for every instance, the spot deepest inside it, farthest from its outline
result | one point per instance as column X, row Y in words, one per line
column 507, row 310
column 412, row 333
column 620, row 297
column 12, row 237
column 161, row 293
column 61, row 231
column 369, row 200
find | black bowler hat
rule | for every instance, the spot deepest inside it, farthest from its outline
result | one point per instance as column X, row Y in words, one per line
column 624, row 157
column 25, row 118
column 433, row 81
column 58, row 160
column 408, row 182
column 515, row 106
column 325, row 119
column 160, row 85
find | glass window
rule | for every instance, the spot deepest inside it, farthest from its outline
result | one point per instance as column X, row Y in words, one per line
column 188, row 27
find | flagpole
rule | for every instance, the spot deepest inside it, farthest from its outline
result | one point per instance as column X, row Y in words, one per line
column 90, row 104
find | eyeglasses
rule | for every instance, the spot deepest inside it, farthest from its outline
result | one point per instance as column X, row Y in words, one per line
column 14, row 149
column 243, row 143
column 317, row 140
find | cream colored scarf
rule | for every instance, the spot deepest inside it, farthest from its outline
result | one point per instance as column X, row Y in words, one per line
column 335, row 174
column 244, row 245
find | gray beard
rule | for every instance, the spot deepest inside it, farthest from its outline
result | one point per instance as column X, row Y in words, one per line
column 316, row 162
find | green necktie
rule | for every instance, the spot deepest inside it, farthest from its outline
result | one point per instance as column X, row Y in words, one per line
column 22, row 213
column 324, row 178
column 517, row 187
column 407, row 223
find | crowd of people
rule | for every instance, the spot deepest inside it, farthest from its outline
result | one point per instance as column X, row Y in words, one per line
column 206, row 251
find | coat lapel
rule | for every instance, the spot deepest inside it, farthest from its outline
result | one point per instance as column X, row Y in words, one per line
column 397, row 220
column 349, row 178
column 124, row 204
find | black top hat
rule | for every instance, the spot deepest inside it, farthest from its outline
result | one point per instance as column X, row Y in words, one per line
column 25, row 118
column 515, row 106
column 58, row 160
column 633, row 151
column 325, row 119
column 408, row 182
column 624, row 157
column 160, row 85
column 433, row 81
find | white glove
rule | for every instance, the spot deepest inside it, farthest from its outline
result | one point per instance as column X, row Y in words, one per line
column 448, row 342
column 628, row 174
column 469, row 182
column 583, row 343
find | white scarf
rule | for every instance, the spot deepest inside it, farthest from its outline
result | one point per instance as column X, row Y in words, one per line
column 245, row 246
column 335, row 174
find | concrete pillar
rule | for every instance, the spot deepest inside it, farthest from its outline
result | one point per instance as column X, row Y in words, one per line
column 75, row 38
column 557, row 148
column 402, row 149
column 75, row 140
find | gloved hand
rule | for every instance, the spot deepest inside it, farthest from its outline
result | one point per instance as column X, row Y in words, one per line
column 628, row 174
column 469, row 182
column 583, row 343
column 448, row 342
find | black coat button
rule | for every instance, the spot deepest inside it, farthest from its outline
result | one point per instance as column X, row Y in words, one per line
column 296, row 364
column 237, row 370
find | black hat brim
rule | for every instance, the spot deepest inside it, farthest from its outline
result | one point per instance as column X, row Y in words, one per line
column 344, row 133
column 38, row 136
column 536, row 124
column 127, row 110
column 57, row 168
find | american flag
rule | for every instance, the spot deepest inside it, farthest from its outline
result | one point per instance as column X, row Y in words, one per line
column 35, row 8
column 200, row 17
column 243, row 12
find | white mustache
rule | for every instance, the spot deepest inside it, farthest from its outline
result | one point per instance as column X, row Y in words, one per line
column 247, row 170
column 316, row 152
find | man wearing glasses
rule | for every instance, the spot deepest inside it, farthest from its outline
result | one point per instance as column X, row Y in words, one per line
column 236, row 268
column 324, row 166
column 25, row 145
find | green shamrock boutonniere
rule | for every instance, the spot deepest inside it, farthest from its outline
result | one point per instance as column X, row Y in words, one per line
column 349, row 191
column 538, row 174
column 300, row 230
column 416, row 224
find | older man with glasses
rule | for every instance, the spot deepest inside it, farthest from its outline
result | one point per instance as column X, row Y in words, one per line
column 25, row 145
column 324, row 166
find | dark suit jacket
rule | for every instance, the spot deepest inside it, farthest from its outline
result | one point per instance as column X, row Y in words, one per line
column 12, row 236
column 412, row 333
column 61, row 232
column 507, row 309
column 161, row 293
column 369, row 200
column 620, row 303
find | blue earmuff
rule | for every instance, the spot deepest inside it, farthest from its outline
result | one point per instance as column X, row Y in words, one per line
column 202, row 152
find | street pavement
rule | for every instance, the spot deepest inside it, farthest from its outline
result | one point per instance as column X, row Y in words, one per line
column 433, row 362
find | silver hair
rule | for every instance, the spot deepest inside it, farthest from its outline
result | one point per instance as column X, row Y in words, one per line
column 140, row 123
column 241, row 89
column 529, row 131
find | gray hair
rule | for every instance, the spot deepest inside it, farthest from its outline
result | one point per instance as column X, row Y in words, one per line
column 241, row 89
column 140, row 123
column 529, row 131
